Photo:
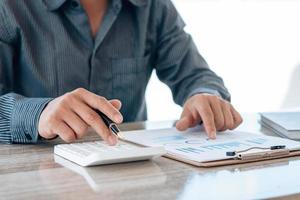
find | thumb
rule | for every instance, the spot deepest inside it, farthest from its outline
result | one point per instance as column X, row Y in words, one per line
column 182, row 124
column 186, row 120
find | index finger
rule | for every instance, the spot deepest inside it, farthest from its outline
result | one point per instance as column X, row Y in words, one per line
column 95, row 121
column 207, row 117
column 101, row 104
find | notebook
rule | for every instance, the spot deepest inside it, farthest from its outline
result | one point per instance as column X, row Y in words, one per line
column 285, row 124
column 193, row 146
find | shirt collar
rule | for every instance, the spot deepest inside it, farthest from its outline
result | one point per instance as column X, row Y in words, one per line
column 53, row 5
column 139, row 2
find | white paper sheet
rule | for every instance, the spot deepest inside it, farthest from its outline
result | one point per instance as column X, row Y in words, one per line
column 194, row 144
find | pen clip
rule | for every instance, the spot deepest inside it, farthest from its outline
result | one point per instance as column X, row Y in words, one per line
column 273, row 151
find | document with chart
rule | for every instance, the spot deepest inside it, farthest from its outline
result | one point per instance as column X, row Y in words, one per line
column 193, row 146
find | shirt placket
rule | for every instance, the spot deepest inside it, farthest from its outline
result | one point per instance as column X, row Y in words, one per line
column 95, row 63
column 78, row 17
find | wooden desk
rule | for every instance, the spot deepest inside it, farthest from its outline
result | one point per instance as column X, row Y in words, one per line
column 32, row 172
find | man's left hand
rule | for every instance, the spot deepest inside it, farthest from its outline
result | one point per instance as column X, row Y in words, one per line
column 215, row 113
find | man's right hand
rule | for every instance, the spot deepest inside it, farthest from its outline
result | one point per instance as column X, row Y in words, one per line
column 70, row 115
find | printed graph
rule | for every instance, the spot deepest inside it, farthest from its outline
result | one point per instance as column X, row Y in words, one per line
column 213, row 147
column 170, row 138
column 228, row 145
column 234, row 145
column 257, row 141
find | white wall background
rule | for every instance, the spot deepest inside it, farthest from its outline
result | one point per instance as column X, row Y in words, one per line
column 253, row 44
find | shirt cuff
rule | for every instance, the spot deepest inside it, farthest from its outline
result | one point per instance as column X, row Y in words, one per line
column 207, row 91
column 25, row 118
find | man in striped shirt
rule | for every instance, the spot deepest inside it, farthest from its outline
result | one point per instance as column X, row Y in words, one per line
column 62, row 59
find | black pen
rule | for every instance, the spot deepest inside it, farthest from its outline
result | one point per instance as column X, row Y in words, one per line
column 109, row 123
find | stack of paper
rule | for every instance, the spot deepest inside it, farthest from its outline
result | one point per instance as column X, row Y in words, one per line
column 285, row 124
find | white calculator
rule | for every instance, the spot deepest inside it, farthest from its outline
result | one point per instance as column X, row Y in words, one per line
column 100, row 153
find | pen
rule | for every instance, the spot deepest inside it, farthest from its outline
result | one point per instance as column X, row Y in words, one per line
column 234, row 153
column 109, row 123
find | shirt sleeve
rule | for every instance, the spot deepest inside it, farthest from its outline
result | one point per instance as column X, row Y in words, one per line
column 178, row 62
column 19, row 115
column 19, row 118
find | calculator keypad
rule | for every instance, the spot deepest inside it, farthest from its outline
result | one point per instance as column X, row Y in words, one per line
column 87, row 148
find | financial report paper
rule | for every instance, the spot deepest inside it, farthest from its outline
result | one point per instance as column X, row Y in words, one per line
column 194, row 144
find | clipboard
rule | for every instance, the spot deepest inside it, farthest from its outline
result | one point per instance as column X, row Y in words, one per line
column 193, row 147
column 231, row 161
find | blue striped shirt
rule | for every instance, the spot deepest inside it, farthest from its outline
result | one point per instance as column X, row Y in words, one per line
column 47, row 49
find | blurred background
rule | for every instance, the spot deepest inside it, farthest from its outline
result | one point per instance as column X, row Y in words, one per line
column 254, row 45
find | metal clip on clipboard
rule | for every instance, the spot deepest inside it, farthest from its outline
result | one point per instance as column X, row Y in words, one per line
column 273, row 151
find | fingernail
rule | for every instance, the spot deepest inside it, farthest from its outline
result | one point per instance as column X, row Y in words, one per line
column 178, row 125
column 112, row 140
column 118, row 118
column 213, row 135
